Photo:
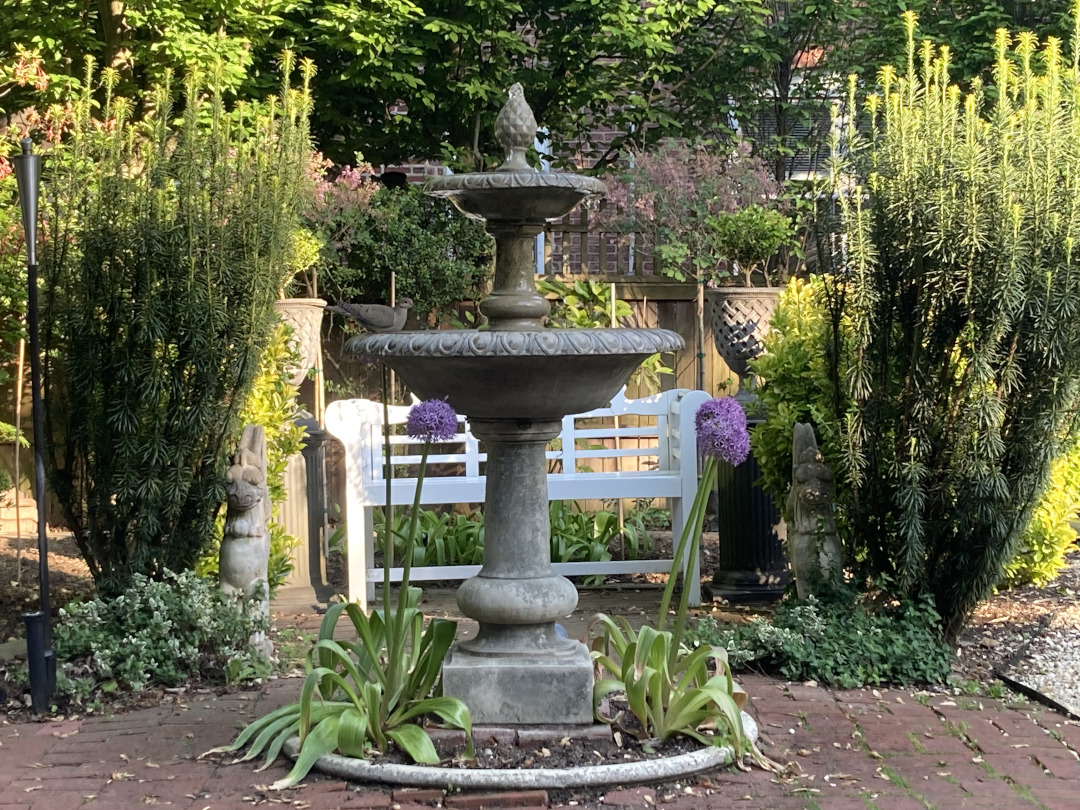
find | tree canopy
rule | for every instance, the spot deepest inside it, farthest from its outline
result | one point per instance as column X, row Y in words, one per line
column 414, row 79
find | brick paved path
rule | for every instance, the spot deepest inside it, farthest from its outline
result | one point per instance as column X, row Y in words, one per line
column 890, row 750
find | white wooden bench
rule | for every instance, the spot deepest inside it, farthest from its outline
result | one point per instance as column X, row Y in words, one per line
column 665, row 451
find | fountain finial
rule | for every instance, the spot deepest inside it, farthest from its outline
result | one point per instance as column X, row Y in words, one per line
column 515, row 130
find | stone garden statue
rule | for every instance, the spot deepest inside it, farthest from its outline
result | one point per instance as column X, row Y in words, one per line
column 813, row 545
column 245, row 544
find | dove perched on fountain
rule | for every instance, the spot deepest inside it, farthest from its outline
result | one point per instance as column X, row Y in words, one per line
column 375, row 317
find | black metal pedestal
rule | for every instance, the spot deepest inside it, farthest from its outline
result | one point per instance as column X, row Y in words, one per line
column 752, row 565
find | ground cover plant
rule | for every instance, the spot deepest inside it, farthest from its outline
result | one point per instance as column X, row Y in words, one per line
column 167, row 242
column 839, row 640
column 953, row 261
column 160, row 632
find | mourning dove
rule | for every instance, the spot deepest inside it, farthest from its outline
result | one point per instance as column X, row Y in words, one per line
column 375, row 317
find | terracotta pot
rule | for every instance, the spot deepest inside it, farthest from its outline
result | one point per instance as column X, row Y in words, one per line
column 305, row 316
column 739, row 317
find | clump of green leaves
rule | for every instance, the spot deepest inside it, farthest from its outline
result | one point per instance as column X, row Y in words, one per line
column 167, row 243
column 362, row 695
column 158, row 632
column 668, row 692
column 839, row 641
column 456, row 539
column 441, row 539
column 438, row 258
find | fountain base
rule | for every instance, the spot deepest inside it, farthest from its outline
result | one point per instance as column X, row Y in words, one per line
column 524, row 688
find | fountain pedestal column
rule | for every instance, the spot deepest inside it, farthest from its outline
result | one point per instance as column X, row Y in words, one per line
column 518, row 669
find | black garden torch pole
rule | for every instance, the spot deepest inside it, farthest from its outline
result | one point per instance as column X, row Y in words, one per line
column 39, row 651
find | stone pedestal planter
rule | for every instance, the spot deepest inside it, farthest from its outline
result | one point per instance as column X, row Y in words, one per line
column 305, row 316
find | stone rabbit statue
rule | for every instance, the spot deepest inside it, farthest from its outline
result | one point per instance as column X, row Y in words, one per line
column 813, row 544
column 245, row 544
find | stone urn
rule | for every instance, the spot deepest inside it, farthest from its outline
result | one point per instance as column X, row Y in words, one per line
column 304, row 315
column 739, row 318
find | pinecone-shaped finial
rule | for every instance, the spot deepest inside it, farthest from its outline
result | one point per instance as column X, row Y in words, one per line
column 515, row 130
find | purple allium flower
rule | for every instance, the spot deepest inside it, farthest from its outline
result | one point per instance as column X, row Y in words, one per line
column 432, row 421
column 721, row 430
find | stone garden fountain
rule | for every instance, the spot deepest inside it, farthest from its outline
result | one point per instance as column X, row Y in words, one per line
column 515, row 381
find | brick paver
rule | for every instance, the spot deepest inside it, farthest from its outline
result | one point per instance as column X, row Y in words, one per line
column 842, row 750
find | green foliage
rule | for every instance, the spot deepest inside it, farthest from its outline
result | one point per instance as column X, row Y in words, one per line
column 364, row 694
column 158, row 632
column 406, row 79
column 839, row 641
column 1050, row 535
column 354, row 701
column 445, row 67
column 438, row 256
column 582, row 304
column 795, row 385
column 669, row 692
column 145, row 40
column 273, row 405
column 955, row 257
column 441, row 539
column 456, row 539
column 588, row 304
column 166, row 248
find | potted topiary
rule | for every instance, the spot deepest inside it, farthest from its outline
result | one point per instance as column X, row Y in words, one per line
column 746, row 240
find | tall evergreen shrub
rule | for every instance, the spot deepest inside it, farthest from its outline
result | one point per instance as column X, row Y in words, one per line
column 957, row 258
column 166, row 246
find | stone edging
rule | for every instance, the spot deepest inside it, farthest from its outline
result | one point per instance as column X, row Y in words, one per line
column 623, row 773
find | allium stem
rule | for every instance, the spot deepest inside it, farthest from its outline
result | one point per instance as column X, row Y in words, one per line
column 691, row 535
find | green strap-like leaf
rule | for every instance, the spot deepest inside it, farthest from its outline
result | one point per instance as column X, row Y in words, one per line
column 251, row 730
column 353, row 733
column 318, row 713
column 321, row 741
column 415, row 742
column 291, row 720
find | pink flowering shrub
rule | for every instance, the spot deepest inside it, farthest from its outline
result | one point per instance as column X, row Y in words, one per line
column 686, row 202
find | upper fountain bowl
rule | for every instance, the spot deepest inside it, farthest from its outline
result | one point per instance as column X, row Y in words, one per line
column 515, row 192
column 515, row 196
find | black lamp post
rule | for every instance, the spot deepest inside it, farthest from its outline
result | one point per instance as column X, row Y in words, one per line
column 39, row 650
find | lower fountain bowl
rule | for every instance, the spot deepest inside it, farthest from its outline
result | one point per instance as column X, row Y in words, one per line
column 539, row 375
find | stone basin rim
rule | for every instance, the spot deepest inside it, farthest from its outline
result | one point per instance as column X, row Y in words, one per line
column 619, row 773
column 535, row 343
column 454, row 184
